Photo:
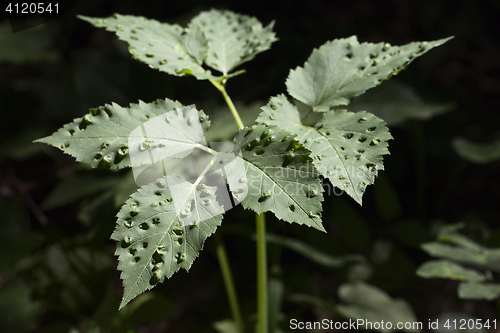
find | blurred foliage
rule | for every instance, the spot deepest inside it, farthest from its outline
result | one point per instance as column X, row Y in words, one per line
column 57, row 268
column 477, row 152
column 476, row 283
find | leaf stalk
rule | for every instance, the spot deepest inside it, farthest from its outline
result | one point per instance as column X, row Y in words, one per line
column 229, row 102
column 229, row 284
column 262, row 324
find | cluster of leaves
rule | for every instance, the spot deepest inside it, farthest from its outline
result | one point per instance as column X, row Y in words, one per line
column 284, row 146
column 456, row 250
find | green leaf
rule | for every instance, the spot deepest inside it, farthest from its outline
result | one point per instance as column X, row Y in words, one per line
column 101, row 137
column 346, row 147
column 459, row 254
column 396, row 103
column 343, row 69
column 313, row 300
column 466, row 250
column 488, row 291
column 448, row 270
column 32, row 45
column 18, row 311
column 233, row 39
column 276, row 290
column 313, row 254
column 480, row 153
column 450, row 234
column 225, row 326
column 166, row 47
column 153, row 240
column 196, row 43
column 79, row 185
column 280, row 176
column 374, row 305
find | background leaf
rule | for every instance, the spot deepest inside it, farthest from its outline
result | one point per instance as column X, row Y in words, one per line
column 448, row 270
column 18, row 311
column 480, row 153
column 313, row 254
column 79, row 185
column 374, row 305
column 396, row 102
column 487, row 291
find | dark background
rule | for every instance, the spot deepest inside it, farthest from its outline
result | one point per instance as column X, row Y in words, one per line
column 57, row 266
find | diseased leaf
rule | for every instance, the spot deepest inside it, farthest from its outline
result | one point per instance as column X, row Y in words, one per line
column 448, row 270
column 280, row 176
column 480, row 153
column 343, row 69
column 487, row 291
column 313, row 254
column 346, row 147
column 101, row 137
column 166, row 47
column 196, row 43
column 374, row 305
column 153, row 242
column 233, row 39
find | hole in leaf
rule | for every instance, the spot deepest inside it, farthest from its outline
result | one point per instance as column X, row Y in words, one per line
column 348, row 136
column 155, row 279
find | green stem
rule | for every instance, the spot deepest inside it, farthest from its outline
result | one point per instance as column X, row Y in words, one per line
column 229, row 102
column 260, row 221
column 229, row 283
column 221, row 250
